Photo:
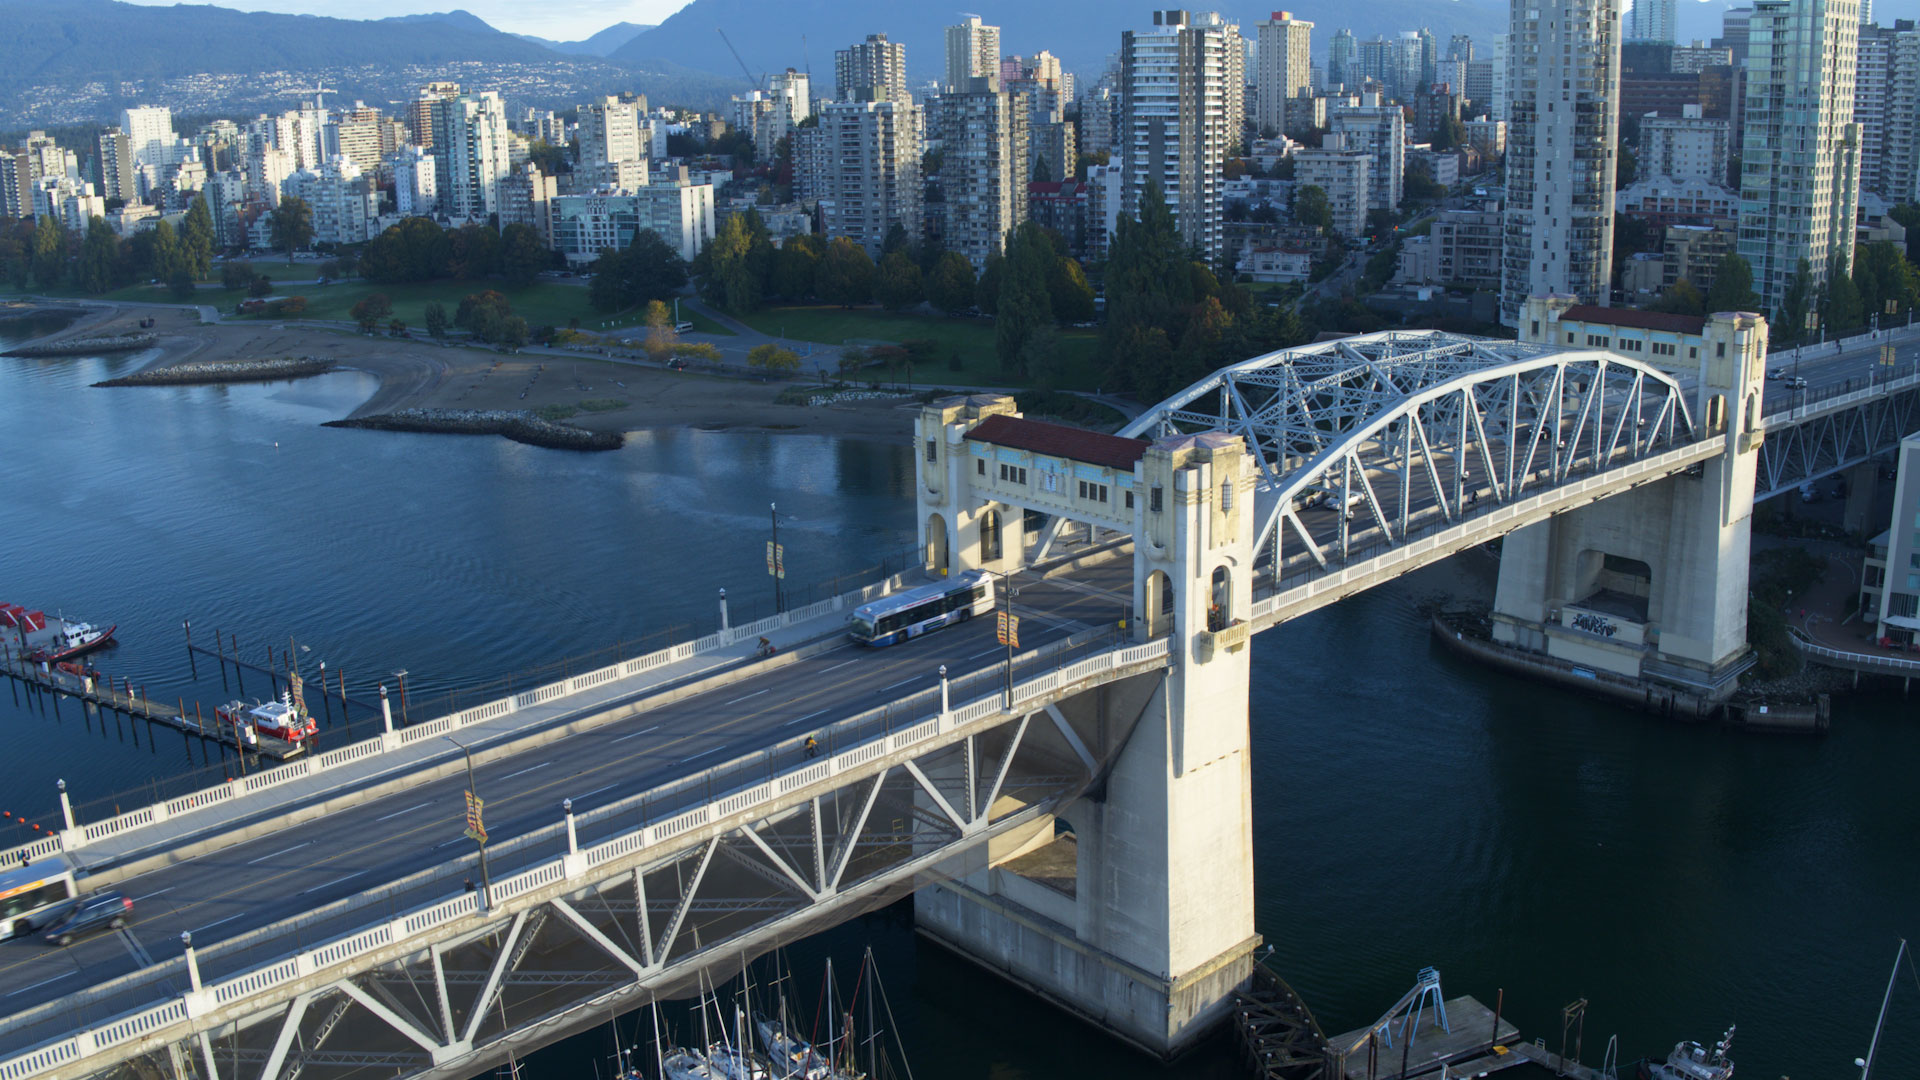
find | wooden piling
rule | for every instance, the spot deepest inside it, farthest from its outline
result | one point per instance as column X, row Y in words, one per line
column 192, row 666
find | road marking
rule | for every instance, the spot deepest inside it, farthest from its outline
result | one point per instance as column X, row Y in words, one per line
column 902, row 682
column 42, row 982
column 797, row 719
column 151, row 895
column 449, row 843
column 211, row 925
column 702, row 754
column 637, row 734
column 978, row 655
column 329, row 884
column 842, row 664
column 526, row 770
column 598, row 790
column 140, row 954
column 408, row 810
column 744, row 697
column 282, row 851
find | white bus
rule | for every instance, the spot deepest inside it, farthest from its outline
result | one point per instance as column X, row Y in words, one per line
column 893, row 619
column 31, row 894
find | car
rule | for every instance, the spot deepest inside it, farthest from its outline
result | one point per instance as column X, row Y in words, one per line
column 1809, row 493
column 682, row 327
column 1796, row 383
column 101, row 911
column 676, row 364
column 1777, row 373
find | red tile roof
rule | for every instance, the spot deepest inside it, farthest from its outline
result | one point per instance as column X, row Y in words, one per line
column 1639, row 320
column 1055, row 440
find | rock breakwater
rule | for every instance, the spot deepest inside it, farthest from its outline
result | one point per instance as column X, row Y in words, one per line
column 523, row 427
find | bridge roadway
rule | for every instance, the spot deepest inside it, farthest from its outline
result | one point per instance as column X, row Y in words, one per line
column 1827, row 371
column 226, row 898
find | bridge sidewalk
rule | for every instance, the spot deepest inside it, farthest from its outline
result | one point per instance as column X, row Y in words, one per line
column 377, row 774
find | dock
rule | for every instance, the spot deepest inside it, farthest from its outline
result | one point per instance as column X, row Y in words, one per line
column 133, row 702
column 1391, row 1050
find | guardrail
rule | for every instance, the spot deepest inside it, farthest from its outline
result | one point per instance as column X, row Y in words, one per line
column 851, row 762
column 1892, row 665
column 401, row 738
column 1840, row 396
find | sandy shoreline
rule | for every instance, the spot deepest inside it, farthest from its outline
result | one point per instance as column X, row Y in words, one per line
column 418, row 373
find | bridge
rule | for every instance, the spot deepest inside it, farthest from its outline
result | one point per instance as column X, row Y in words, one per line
column 664, row 816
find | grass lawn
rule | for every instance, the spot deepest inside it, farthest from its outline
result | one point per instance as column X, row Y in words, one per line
column 541, row 304
column 635, row 317
column 970, row 339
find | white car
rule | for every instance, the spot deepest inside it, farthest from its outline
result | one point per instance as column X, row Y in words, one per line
column 1777, row 373
column 1796, row 383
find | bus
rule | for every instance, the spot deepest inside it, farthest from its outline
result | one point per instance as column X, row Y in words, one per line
column 893, row 619
column 31, row 894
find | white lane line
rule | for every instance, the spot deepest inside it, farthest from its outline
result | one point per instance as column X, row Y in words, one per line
column 408, row 810
column 139, row 954
column 989, row 652
column 838, row 666
column 797, row 719
column 211, row 925
column 702, row 754
column 282, row 851
column 744, row 697
column 151, row 895
column 637, row 734
column 902, row 682
column 332, row 883
column 526, row 770
column 598, row 790
column 449, row 843
column 42, row 982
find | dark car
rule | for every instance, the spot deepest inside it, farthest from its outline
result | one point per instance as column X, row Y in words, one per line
column 101, row 911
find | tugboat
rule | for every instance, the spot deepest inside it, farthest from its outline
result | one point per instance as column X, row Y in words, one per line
column 45, row 641
column 279, row 719
column 1691, row 1061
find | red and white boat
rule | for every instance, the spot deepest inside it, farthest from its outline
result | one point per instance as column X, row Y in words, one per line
column 45, row 640
column 278, row 719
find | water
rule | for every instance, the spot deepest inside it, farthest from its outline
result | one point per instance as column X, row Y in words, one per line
column 1409, row 809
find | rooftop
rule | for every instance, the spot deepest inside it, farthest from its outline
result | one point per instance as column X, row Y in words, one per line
column 1638, row 320
column 1056, row 440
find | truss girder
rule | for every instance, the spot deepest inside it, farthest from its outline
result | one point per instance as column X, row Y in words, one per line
column 1402, row 431
column 1798, row 451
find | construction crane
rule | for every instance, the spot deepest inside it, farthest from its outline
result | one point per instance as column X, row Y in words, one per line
column 744, row 69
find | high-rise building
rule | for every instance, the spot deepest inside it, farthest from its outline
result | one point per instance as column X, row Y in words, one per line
column 1800, row 156
column 1690, row 144
column 609, row 131
column 1181, row 90
column 1651, row 22
column 415, row 193
column 1344, row 176
column 973, row 51
column 149, row 131
column 864, row 166
column 770, row 115
column 875, row 65
column 477, row 155
column 1563, row 136
column 1343, row 53
column 1460, row 47
column 1380, row 130
column 1734, row 24
column 1886, row 105
column 422, row 117
column 1285, row 70
column 118, row 178
column 363, row 136
column 983, row 170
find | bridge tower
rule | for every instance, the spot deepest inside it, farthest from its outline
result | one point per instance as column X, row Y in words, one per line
column 1652, row 583
column 1155, row 929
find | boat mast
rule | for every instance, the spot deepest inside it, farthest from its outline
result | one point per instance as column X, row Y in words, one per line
column 659, row 1051
column 1866, row 1063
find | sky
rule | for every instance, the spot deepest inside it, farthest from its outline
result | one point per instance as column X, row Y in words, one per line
column 556, row 20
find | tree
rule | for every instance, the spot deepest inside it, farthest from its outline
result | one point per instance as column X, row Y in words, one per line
column 372, row 310
column 236, row 275
column 846, row 274
column 897, row 240
column 986, row 290
column 49, row 258
column 181, row 284
column 1732, row 286
column 1908, row 215
column 660, row 334
column 474, row 251
column 163, row 253
column 1023, row 316
column 436, row 319
column 1798, row 301
column 99, row 253
column 647, row 270
column 770, row 359
column 1843, row 310
column 396, row 327
column 1150, row 291
column 1042, row 172
column 1071, row 295
column 1680, row 299
column 730, row 270
column 261, row 285
column 1625, row 168
column 290, row 226
column 489, row 317
column 414, row 250
column 898, row 285
column 196, row 239
column 852, row 359
column 1310, row 207
column 950, row 286
column 522, row 254
column 794, row 265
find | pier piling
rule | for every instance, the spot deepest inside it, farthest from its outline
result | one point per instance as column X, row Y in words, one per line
column 187, row 625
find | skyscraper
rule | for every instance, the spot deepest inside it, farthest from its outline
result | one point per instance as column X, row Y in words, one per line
column 118, row 178
column 1562, row 145
column 1342, row 53
column 973, row 51
column 1380, row 130
column 149, row 131
column 983, row 169
column 476, row 155
column 877, row 65
column 1460, row 47
column 1886, row 104
column 1181, row 89
column 1285, row 69
column 610, row 131
column 866, row 169
column 1800, row 158
column 1650, row 22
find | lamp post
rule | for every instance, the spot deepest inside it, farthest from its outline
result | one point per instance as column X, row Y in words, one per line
column 402, row 676
column 486, row 879
column 776, row 559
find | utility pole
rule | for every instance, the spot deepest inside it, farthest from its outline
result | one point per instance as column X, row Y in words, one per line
column 776, row 559
column 476, row 827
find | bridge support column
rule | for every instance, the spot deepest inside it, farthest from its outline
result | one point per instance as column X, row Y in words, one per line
column 1863, row 482
column 1157, row 930
column 1652, row 583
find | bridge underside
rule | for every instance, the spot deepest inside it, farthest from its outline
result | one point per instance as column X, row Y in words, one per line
column 533, row 973
column 1804, row 445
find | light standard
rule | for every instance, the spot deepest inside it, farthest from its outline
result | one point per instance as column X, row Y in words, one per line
column 402, row 676
column 776, row 558
column 479, row 836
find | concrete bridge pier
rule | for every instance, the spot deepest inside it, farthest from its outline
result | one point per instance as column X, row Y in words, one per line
column 1151, row 930
column 1652, row 583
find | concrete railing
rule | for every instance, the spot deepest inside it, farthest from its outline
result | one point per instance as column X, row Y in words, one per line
column 1892, row 665
column 852, row 763
column 1843, row 396
column 239, row 790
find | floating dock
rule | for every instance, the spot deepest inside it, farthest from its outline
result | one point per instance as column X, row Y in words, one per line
column 101, row 692
column 1393, row 1049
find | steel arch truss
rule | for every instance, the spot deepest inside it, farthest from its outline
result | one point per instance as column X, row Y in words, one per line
column 526, row 977
column 1798, row 451
column 1367, row 441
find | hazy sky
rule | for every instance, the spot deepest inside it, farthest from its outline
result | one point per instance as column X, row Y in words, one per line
column 559, row 20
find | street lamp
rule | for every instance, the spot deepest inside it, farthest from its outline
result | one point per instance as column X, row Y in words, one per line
column 402, row 676
column 486, row 880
